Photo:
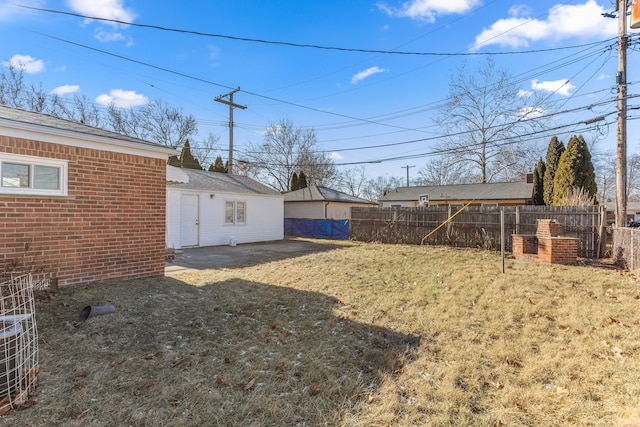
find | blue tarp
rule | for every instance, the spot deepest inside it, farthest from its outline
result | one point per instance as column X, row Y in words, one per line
column 336, row 229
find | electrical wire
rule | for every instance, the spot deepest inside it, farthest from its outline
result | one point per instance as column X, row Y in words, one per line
column 290, row 44
column 352, row 119
column 263, row 96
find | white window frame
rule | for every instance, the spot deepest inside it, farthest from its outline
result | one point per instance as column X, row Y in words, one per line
column 31, row 162
column 235, row 220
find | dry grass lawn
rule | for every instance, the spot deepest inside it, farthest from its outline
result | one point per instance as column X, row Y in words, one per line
column 359, row 335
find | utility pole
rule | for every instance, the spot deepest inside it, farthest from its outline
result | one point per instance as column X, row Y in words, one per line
column 231, row 107
column 621, row 149
column 407, row 168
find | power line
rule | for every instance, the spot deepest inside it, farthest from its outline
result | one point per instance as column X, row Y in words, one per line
column 251, row 93
column 290, row 103
column 206, row 81
column 293, row 44
column 439, row 152
column 202, row 80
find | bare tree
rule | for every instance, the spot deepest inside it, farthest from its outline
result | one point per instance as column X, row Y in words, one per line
column 125, row 121
column 167, row 125
column 36, row 99
column 12, row 87
column 206, row 150
column 352, row 181
column 484, row 117
column 155, row 122
column 379, row 186
column 287, row 149
column 633, row 177
column 605, row 164
column 443, row 170
column 79, row 109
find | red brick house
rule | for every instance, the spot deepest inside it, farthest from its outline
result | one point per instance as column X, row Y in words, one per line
column 80, row 203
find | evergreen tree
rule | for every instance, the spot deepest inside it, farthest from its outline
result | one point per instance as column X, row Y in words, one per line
column 538, row 183
column 219, row 166
column 302, row 180
column 295, row 184
column 226, row 166
column 187, row 160
column 575, row 171
column 174, row 161
column 555, row 150
column 211, row 168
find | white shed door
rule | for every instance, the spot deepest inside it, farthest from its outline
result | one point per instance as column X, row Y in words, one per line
column 189, row 220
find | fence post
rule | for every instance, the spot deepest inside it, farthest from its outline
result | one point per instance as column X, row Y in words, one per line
column 602, row 235
column 502, row 237
column 631, row 265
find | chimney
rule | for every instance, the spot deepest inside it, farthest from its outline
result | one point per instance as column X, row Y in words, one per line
column 529, row 178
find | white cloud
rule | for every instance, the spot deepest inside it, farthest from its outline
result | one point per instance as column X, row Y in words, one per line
column 366, row 73
column 524, row 93
column 108, row 9
column 427, row 10
column 26, row 63
column 108, row 36
column 63, row 90
column 566, row 21
column 528, row 113
column 122, row 98
column 10, row 12
column 336, row 156
column 603, row 76
column 561, row 87
column 214, row 52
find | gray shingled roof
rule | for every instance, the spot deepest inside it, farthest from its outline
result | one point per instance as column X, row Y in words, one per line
column 221, row 182
column 319, row 193
column 46, row 122
column 490, row 191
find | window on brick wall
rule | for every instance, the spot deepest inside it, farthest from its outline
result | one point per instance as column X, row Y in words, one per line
column 32, row 175
column 235, row 212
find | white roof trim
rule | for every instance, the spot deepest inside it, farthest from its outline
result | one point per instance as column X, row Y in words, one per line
column 18, row 129
column 174, row 174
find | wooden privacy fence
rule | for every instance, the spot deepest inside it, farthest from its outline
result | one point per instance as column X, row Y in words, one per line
column 476, row 226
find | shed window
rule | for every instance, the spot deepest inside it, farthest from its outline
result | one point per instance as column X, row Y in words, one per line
column 235, row 212
column 32, row 175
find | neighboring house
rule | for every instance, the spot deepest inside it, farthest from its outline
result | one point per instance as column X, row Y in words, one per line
column 491, row 194
column 81, row 203
column 212, row 208
column 633, row 211
column 315, row 202
column 320, row 212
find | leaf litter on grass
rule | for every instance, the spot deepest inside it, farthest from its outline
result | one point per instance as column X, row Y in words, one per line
column 365, row 334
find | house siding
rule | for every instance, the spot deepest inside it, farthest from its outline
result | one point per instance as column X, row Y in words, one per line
column 307, row 210
column 413, row 203
column 263, row 218
column 111, row 225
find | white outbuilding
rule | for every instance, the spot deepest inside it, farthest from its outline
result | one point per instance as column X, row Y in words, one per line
column 212, row 208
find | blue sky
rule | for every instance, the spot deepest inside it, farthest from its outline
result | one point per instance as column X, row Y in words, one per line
column 352, row 99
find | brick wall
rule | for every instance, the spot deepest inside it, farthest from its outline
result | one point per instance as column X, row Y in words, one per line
column 549, row 228
column 110, row 226
column 524, row 244
column 558, row 250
